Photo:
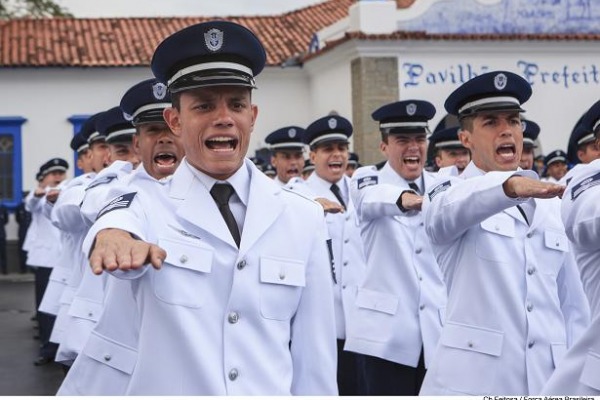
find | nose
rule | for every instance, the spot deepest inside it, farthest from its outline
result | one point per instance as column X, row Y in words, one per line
column 223, row 115
column 165, row 138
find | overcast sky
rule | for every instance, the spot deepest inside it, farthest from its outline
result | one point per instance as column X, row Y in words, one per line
column 147, row 8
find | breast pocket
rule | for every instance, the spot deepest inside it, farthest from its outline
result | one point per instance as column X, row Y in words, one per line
column 104, row 367
column 281, row 283
column 494, row 241
column 183, row 278
column 556, row 245
column 468, row 358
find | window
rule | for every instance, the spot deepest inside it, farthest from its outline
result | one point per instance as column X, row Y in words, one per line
column 11, row 185
column 77, row 121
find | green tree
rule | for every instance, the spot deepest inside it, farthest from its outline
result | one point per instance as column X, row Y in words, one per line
column 32, row 9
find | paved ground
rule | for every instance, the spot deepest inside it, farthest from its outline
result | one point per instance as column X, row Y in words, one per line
column 18, row 349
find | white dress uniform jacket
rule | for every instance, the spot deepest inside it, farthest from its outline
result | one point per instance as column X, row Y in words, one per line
column 43, row 244
column 88, row 297
column 65, row 215
column 215, row 320
column 117, row 326
column 347, row 248
column 400, row 306
column 515, row 301
column 579, row 371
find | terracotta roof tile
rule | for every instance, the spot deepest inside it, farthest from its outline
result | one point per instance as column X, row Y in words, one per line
column 124, row 42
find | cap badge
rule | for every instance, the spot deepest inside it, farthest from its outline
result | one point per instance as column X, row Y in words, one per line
column 159, row 90
column 292, row 133
column 55, row 161
column 411, row 109
column 523, row 125
column 332, row 122
column 500, row 81
column 213, row 39
column 127, row 116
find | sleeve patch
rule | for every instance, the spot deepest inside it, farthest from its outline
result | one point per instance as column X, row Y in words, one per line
column 101, row 181
column 367, row 181
column 439, row 189
column 120, row 202
column 585, row 185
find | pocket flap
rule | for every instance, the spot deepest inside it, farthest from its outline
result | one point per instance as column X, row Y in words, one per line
column 589, row 375
column 500, row 224
column 558, row 352
column 472, row 338
column 556, row 240
column 187, row 254
column 110, row 353
column 378, row 301
column 85, row 309
column 60, row 275
column 282, row 271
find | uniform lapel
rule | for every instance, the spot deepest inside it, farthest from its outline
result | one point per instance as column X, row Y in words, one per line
column 264, row 207
column 197, row 209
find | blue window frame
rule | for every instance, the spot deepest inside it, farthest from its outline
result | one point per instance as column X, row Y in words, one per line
column 76, row 121
column 11, row 168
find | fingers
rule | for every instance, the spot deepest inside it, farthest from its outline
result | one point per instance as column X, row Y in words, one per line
column 520, row 186
column 156, row 256
column 115, row 249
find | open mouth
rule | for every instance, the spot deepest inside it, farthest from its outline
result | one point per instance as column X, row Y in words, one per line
column 165, row 160
column 293, row 171
column 335, row 166
column 221, row 143
column 411, row 160
column 507, row 151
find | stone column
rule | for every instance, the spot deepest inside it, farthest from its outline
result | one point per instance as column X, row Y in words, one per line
column 374, row 83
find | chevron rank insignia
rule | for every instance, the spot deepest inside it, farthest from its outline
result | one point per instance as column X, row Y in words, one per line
column 120, row 202
column 439, row 189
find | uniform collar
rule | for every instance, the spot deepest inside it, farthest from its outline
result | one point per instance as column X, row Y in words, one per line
column 240, row 181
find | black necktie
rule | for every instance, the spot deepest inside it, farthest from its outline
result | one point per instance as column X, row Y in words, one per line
column 221, row 192
column 414, row 187
column 338, row 194
column 523, row 214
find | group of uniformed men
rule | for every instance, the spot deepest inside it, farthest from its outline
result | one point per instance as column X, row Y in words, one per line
column 201, row 276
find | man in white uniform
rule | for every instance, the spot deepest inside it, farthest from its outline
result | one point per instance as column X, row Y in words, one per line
column 327, row 139
column 399, row 308
column 287, row 153
column 578, row 373
column 515, row 301
column 531, row 131
column 238, row 299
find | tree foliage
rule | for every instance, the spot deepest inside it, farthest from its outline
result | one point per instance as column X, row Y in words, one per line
column 31, row 9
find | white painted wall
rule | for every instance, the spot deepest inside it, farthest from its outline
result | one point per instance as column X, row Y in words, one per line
column 330, row 83
column 48, row 97
column 557, row 101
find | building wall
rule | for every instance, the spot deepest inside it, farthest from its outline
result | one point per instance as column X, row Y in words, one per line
column 565, row 77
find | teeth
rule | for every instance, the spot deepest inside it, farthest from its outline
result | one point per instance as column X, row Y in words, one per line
column 221, row 139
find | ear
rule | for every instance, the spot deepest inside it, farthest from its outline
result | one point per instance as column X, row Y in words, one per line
column 136, row 143
column 172, row 117
column 254, row 115
column 383, row 148
column 465, row 138
column 438, row 161
column 312, row 156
